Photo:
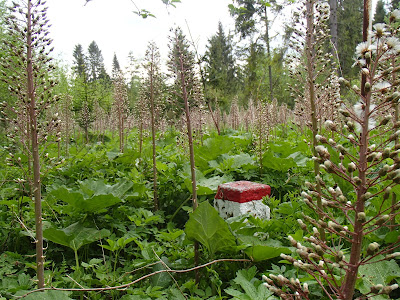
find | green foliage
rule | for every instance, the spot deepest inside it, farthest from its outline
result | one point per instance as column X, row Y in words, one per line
column 49, row 295
column 93, row 195
column 259, row 250
column 97, row 204
column 220, row 70
column 208, row 228
column 380, row 12
column 75, row 235
column 349, row 34
column 248, row 287
column 381, row 272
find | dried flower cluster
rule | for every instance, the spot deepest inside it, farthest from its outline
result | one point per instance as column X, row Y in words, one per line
column 362, row 152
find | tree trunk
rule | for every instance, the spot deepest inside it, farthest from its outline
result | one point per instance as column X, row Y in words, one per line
column 333, row 25
column 268, row 54
column 213, row 117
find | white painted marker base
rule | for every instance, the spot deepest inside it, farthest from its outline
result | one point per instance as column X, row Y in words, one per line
column 229, row 209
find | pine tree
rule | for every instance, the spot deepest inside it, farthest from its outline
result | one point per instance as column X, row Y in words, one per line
column 80, row 63
column 220, row 67
column 82, row 91
column 333, row 24
column 380, row 12
column 115, row 66
column 350, row 13
column 96, row 63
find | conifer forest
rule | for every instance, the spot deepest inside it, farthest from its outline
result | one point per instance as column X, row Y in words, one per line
column 108, row 176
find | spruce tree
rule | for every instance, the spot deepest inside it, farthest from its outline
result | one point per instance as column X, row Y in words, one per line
column 350, row 13
column 248, row 14
column 380, row 12
column 97, row 69
column 115, row 66
column 220, row 67
column 80, row 61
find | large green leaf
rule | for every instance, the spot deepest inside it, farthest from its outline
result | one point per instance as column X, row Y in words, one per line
column 75, row 235
column 98, row 187
column 207, row 227
column 262, row 250
column 49, row 295
column 381, row 272
column 276, row 163
column 161, row 279
column 207, row 186
column 211, row 149
column 91, row 200
column 67, row 196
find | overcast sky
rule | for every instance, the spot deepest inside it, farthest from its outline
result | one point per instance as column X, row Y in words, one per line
column 115, row 28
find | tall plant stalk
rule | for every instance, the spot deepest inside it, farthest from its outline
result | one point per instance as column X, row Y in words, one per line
column 35, row 152
column 29, row 80
column 310, row 54
column 152, row 85
column 188, row 91
column 358, row 233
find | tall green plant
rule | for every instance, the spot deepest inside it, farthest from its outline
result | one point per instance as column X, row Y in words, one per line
column 26, row 70
column 361, row 171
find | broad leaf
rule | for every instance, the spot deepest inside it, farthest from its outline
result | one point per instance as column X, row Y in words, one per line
column 92, row 201
column 49, row 295
column 208, row 186
column 207, row 227
column 98, row 187
column 382, row 272
column 161, row 279
column 262, row 250
column 276, row 163
column 75, row 235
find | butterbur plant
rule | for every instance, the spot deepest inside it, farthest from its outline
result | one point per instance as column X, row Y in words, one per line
column 187, row 90
column 26, row 70
column 152, row 92
column 360, row 171
column 120, row 106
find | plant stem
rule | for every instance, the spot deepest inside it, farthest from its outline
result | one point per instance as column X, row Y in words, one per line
column 312, row 97
column 35, row 153
column 153, row 131
column 349, row 282
column 76, row 259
